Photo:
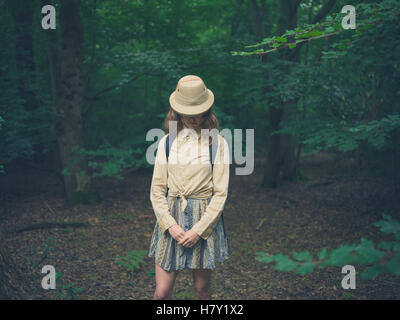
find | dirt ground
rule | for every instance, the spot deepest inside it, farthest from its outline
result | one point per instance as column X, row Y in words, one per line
column 336, row 205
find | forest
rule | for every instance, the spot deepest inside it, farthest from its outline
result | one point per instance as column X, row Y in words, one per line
column 82, row 83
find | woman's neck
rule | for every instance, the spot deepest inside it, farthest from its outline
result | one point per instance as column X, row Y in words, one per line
column 198, row 130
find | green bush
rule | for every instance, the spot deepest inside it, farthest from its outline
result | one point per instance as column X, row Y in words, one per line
column 382, row 257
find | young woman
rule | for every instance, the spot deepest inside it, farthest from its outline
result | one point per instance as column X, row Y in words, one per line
column 188, row 192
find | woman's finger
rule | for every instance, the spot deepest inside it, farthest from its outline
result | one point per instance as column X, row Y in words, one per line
column 188, row 244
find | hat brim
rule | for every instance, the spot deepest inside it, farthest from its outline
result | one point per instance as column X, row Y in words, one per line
column 192, row 109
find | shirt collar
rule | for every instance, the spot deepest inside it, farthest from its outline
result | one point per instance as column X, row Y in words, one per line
column 188, row 132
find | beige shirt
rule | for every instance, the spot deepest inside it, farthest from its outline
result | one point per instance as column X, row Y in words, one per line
column 188, row 174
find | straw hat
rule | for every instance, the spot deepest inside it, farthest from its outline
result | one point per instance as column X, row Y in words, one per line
column 191, row 96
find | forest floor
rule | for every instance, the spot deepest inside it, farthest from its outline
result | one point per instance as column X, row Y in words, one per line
column 335, row 206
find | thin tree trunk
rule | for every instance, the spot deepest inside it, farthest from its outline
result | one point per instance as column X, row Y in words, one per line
column 235, row 20
column 22, row 12
column 281, row 156
column 257, row 20
column 69, row 99
column 53, row 56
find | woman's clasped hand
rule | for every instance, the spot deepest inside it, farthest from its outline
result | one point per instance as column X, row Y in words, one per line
column 184, row 238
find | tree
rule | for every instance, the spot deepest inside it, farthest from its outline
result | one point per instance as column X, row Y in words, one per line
column 68, row 91
column 22, row 13
column 337, row 113
column 281, row 158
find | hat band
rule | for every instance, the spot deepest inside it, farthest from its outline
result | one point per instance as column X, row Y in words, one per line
column 184, row 100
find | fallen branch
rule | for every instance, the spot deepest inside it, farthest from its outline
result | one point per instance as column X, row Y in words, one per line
column 261, row 223
column 320, row 184
column 49, row 225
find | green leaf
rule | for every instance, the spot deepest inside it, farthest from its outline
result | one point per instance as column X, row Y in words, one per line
column 393, row 266
column 329, row 29
column 284, row 263
column 281, row 39
column 387, row 217
column 342, row 255
column 125, row 265
column 302, row 256
column 389, row 226
column 322, row 254
column 305, row 267
column 262, row 257
column 314, row 33
column 385, row 245
column 372, row 272
column 268, row 40
column 366, row 252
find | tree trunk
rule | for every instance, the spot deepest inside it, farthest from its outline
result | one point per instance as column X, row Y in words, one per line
column 22, row 13
column 235, row 20
column 53, row 54
column 257, row 15
column 281, row 156
column 69, row 92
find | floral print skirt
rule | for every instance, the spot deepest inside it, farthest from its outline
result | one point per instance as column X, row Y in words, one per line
column 204, row 254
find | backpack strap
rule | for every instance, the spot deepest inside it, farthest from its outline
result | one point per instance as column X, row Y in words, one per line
column 167, row 147
column 213, row 152
column 168, row 144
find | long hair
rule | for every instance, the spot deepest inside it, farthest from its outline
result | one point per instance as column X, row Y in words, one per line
column 210, row 120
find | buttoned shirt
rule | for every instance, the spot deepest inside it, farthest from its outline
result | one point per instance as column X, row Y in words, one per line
column 188, row 174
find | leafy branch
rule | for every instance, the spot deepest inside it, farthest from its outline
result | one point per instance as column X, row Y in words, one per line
column 385, row 257
column 346, row 138
column 374, row 13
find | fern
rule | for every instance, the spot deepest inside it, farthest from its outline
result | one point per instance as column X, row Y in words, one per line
column 132, row 259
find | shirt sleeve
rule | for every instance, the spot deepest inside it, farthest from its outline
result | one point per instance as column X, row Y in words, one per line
column 208, row 221
column 159, row 188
